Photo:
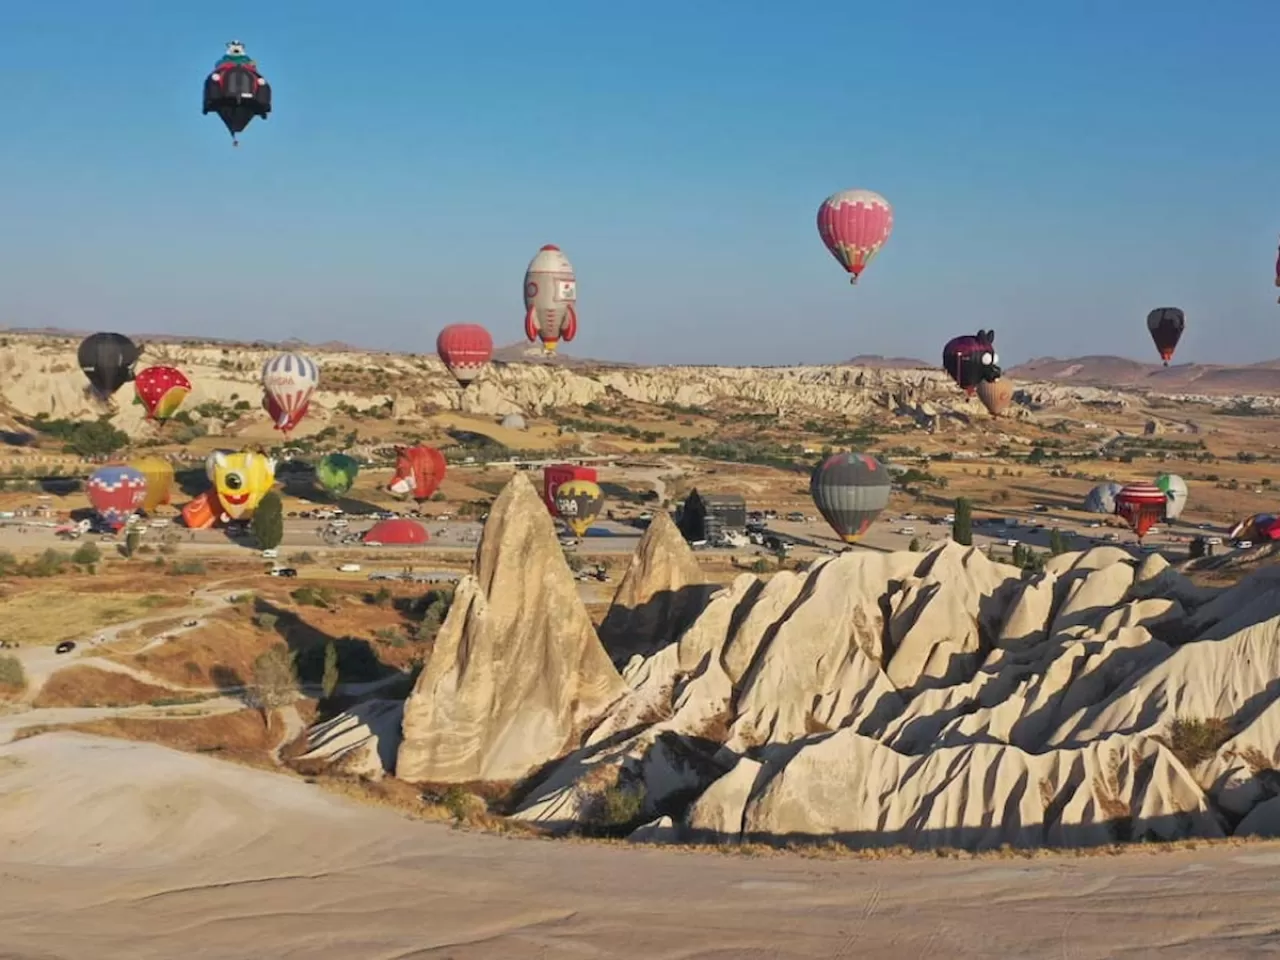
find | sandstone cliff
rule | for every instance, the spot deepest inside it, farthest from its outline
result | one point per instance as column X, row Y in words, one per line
column 517, row 674
column 934, row 699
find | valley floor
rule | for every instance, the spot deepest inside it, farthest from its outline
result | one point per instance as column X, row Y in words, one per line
column 116, row 849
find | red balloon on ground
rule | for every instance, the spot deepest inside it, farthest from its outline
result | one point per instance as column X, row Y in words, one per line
column 400, row 532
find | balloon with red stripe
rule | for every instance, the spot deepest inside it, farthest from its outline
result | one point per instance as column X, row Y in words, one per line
column 288, row 382
column 1142, row 506
column 465, row 348
column 855, row 224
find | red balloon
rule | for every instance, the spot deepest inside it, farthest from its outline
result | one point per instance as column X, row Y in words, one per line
column 285, row 424
column 161, row 391
column 464, row 348
column 419, row 472
column 855, row 224
column 1142, row 506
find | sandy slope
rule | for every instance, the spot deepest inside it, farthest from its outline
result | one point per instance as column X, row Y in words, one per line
column 112, row 849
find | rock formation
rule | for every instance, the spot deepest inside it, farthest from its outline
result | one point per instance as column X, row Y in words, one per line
column 934, row 699
column 660, row 595
column 517, row 674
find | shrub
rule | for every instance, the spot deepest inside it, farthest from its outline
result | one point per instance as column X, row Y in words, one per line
column 12, row 676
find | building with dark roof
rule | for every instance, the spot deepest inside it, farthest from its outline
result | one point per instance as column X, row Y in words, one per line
column 705, row 516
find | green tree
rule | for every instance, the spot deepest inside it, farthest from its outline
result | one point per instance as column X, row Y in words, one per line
column 268, row 521
column 86, row 554
column 329, row 682
column 275, row 681
column 96, row 439
column 962, row 528
column 131, row 542
column 1057, row 543
column 914, row 545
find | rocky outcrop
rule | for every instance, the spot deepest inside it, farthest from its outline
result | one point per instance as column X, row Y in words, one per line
column 661, row 594
column 927, row 699
column 518, row 674
column 40, row 376
column 362, row 741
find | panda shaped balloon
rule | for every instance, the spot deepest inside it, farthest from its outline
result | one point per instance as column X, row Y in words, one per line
column 972, row 359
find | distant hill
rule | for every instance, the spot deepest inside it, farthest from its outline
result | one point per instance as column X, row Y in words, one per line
column 886, row 363
column 1106, row 371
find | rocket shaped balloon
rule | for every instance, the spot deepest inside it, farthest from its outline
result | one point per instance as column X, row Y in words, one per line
column 550, row 298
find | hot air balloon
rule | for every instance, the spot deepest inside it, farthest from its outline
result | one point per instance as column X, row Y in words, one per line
column 578, row 504
column 855, row 224
column 1165, row 324
column 159, row 476
column 850, row 490
column 161, row 390
column 289, row 380
column 1175, row 491
column 558, row 473
column 972, row 359
column 996, row 395
column 419, row 472
column 1102, row 498
column 1278, row 271
column 336, row 473
column 116, row 492
column 107, row 359
column 1141, row 505
column 464, row 348
column 550, row 298
column 240, row 481
column 236, row 91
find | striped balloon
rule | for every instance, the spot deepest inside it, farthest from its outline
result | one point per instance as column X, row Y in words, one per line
column 289, row 380
column 1142, row 506
column 855, row 224
column 850, row 490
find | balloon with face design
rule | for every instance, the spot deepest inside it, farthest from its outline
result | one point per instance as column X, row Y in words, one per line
column 419, row 471
column 971, row 359
column 240, row 481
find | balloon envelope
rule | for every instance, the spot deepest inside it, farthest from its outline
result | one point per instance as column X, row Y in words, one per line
column 1165, row 324
column 996, row 395
column 972, row 359
column 850, row 490
column 161, row 391
column 1102, row 498
column 241, row 480
column 288, row 381
column 337, row 472
column 854, row 225
column 578, row 503
column 116, row 492
column 159, row 476
column 1175, row 490
column 1141, row 505
column 107, row 359
column 419, row 472
column 464, row 348
column 550, row 298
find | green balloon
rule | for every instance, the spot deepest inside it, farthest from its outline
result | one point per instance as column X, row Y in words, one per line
column 337, row 472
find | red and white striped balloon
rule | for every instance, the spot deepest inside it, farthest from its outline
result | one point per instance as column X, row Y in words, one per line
column 855, row 224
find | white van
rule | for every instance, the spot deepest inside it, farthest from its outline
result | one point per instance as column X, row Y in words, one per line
column 349, row 568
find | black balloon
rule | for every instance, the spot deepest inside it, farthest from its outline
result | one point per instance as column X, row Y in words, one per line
column 236, row 91
column 107, row 359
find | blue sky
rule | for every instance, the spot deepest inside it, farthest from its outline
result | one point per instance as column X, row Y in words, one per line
column 1056, row 170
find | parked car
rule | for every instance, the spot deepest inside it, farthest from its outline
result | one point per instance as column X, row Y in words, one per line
column 284, row 572
column 66, row 646
column 349, row 568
